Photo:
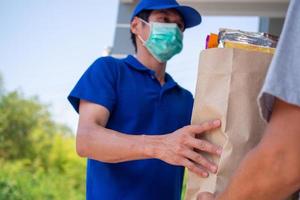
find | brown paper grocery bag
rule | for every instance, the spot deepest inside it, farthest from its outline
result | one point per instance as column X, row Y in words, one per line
column 229, row 81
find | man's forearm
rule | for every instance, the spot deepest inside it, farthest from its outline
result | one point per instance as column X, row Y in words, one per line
column 272, row 170
column 110, row 146
column 259, row 177
column 176, row 148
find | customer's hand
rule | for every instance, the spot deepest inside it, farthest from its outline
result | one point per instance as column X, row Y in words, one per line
column 178, row 148
column 205, row 196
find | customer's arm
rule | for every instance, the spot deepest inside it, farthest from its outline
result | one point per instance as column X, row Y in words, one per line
column 99, row 143
column 271, row 171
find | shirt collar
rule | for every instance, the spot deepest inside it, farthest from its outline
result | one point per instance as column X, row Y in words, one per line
column 170, row 83
column 135, row 64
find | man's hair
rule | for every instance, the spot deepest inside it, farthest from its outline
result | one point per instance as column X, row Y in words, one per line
column 144, row 14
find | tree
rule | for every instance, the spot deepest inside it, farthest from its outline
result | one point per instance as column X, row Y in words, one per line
column 37, row 154
column 1, row 85
column 19, row 117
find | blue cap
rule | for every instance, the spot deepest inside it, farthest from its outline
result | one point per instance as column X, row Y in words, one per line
column 190, row 16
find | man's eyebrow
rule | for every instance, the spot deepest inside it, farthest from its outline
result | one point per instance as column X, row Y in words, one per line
column 168, row 12
column 164, row 11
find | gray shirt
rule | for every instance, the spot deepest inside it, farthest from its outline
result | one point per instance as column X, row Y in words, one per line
column 283, row 77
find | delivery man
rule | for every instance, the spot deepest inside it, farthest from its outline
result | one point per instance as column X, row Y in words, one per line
column 271, row 171
column 134, row 118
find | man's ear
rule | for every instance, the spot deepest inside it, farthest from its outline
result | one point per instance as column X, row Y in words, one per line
column 134, row 25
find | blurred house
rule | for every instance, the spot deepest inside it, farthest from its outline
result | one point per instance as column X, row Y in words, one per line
column 271, row 13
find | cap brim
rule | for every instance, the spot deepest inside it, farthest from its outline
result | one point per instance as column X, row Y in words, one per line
column 190, row 16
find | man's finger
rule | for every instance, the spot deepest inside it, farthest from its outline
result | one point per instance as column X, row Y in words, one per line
column 205, row 196
column 206, row 126
column 200, row 160
column 205, row 146
column 194, row 168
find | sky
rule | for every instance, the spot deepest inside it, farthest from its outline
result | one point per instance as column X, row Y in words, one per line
column 46, row 45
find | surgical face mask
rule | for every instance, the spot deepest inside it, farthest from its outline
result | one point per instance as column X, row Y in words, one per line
column 164, row 41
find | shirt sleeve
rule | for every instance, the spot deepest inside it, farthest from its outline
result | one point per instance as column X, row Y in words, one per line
column 283, row 78
column 97, row 85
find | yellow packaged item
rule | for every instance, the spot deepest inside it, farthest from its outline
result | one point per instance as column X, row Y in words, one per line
column 249, row 47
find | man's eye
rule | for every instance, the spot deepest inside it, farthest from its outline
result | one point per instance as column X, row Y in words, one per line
column 162, row 20
column 180, row 26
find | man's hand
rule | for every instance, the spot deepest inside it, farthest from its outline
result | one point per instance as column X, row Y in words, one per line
column 99, row 143
column 178, row 147
column 205, row 196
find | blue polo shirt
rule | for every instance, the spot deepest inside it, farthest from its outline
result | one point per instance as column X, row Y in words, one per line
column 138, row 104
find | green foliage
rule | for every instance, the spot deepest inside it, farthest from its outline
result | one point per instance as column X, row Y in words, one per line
column 183, row 191
column 1, row 85
column 17, row 181
column 37, row 155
